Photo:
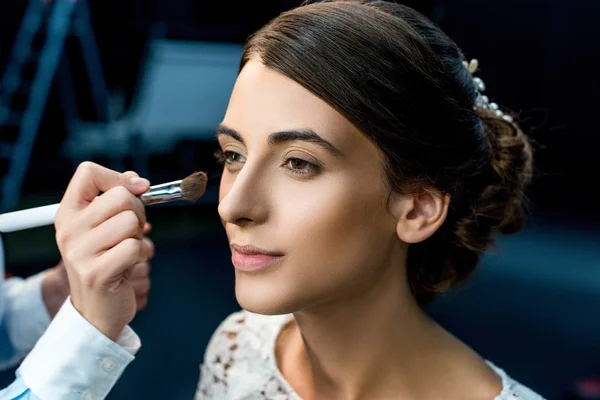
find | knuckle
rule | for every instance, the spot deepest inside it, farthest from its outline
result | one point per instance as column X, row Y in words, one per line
column 85, row 167
column 130, row 222
column 61, row 238
column 131, row 173
column 149, row 248
column 85, row 170
column 123, row 196
column 132, row 247
column 145, row 254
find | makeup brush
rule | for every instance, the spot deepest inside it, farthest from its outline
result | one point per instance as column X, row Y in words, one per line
column 190, row 188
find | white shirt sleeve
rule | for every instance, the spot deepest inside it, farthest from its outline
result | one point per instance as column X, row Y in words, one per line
column 23, row 314
column 74, row 360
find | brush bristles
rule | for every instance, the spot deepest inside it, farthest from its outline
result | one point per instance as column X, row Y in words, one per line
column 194, row 186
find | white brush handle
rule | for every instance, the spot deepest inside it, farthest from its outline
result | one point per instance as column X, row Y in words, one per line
column 31, row 218
column 41, row 216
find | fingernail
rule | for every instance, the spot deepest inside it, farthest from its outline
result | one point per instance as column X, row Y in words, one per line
column 139, row 183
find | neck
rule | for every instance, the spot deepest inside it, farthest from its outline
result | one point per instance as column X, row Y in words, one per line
column 353, row 346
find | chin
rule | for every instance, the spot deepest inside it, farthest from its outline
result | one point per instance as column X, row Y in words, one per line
column 261, row 294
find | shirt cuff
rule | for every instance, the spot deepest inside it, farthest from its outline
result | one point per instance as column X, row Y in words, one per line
column 26, row 315
column 74, row 360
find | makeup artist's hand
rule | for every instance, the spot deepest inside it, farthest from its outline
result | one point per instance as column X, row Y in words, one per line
column 101, row 240
column 140, row 278
column 56, row 289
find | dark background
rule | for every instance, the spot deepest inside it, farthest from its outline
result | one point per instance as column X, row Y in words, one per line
column 533, row 308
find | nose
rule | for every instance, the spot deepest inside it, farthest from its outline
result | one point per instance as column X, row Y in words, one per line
column 243, row 197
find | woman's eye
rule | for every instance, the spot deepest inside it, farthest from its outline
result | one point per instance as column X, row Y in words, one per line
column 228, row 157
column 296, row 166
column 299, row 166
column 231, row 156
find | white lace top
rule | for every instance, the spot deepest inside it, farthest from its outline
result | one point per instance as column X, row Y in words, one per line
column 239, row 363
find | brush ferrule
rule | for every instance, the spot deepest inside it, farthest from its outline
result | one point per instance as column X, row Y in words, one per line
column 162, row 193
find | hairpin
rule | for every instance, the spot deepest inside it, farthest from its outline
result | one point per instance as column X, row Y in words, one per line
column 482, row 101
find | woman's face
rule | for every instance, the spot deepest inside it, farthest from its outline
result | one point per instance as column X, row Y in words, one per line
column 302, row 183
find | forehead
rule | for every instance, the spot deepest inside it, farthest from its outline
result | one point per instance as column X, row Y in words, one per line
column 265, row 101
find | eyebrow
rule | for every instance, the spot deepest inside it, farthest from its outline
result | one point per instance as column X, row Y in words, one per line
column 305, row 135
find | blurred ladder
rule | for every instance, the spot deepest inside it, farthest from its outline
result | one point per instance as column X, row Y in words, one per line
column 23, row 98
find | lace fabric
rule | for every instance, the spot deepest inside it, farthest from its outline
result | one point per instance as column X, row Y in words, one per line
column 239, row 363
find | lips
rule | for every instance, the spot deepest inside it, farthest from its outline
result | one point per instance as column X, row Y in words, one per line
column 251, row 258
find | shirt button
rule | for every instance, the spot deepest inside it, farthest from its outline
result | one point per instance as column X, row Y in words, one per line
column 108, row 364
column 88, row 395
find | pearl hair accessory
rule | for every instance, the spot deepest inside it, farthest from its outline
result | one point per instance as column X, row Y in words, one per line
column 482, row 101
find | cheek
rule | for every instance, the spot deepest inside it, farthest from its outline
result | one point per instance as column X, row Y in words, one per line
column 335, row 230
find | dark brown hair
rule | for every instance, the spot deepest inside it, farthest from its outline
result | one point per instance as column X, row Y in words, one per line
column 402, row 82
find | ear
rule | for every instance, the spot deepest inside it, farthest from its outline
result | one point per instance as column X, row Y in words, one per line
column 419, row 216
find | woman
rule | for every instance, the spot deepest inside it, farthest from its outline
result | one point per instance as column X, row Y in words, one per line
column 365, row 173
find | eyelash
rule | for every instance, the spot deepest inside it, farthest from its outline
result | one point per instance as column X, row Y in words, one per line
column 222, row 158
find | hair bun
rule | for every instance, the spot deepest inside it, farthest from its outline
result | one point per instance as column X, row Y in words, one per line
column 500, row 206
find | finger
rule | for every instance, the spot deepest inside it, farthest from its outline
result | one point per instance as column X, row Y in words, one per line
column 141, row 302
column 104, row 207
column 141, row 286
column 149, row 247
column 132, row 174
column 122, row 257
column 101, row 210
column 109, row 204
column 141, row 270
column 91, row 179
column 147, row 228
column 110, row 233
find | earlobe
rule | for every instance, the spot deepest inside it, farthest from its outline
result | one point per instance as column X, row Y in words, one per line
column 419, row 216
